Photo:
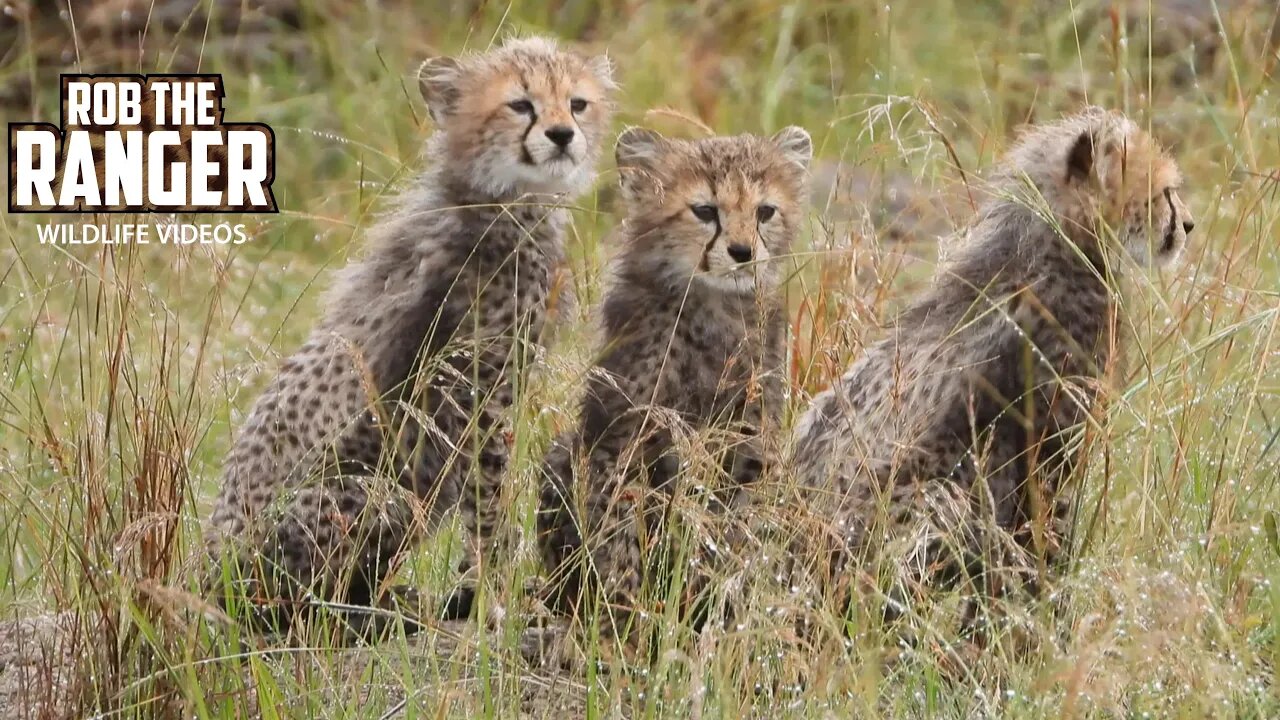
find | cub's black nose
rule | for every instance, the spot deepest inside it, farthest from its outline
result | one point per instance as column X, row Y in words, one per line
column 1188, row 226
column 740, row 253
column 560, row 135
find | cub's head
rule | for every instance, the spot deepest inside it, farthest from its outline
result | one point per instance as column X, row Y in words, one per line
column 1099, row 171
column 716, row 212
column 524, row 118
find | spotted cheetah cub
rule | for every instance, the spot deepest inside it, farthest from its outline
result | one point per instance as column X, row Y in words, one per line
column 694, row 346
column 968, row 417
column 394, row 410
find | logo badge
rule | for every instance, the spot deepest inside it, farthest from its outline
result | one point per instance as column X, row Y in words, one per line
column 141, row 144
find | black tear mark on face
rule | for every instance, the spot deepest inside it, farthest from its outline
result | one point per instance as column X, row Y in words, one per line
column 527, row 109
column 705, row 264
column 525, row 157
column 1167, row 245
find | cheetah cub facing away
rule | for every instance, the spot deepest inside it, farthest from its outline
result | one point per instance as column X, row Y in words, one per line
column 694, row 344
column 394, row 410
column 968, row 418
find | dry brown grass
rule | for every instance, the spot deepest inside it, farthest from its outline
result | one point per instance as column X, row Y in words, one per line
column 124, row 371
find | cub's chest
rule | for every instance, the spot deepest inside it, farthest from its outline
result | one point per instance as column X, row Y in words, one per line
column 513, row 272
column 509, row 289
column 517, row 248
column 713, row 357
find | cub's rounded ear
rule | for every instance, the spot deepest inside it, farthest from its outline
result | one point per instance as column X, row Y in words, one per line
column 1080, row 158
column 438, row 81
column 602, row 67
column 637, row 153
column 795, row 144
column 638, row 147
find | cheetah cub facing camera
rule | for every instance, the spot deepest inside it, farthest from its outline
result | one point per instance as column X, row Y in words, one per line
column 947, row 448
column 394, row 410
column 694, row 348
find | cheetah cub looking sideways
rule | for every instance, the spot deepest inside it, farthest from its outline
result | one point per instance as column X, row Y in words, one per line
column 394, row 410
column 694, row 345
column 969, row 416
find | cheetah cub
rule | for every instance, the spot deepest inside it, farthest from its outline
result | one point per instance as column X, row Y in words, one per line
column 694, row 345
column 947, row 448
column 394, row 410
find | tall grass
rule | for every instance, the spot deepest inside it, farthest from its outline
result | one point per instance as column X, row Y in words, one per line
column 124, row 371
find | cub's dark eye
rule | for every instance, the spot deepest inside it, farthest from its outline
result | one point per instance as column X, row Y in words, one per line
column 524, row 107
column 705, row 213
column 765, row 213
column 577, row 105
